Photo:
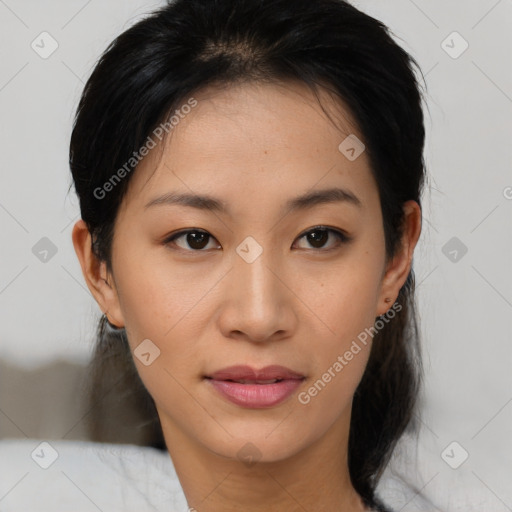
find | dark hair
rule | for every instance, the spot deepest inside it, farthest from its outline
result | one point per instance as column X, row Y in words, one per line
column 153, row 67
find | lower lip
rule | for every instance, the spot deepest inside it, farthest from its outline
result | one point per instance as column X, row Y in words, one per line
column 256, row 396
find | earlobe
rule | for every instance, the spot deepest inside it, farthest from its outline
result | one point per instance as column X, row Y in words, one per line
column 400, row 265
column 97, row 278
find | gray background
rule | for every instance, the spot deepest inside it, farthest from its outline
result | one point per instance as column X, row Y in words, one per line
column 47, row 313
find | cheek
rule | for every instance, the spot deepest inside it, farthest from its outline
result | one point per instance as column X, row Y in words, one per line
column 345, row 297
column 330, row 391
column 344, row 304
column 169, row 307
column 156, row 298
column 163, row 306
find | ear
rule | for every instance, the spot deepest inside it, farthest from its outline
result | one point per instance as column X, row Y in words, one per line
column 99, row 281
column 399, row 266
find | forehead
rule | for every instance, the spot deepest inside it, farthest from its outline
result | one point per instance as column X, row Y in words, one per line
column 264, row 117
column 260, row 138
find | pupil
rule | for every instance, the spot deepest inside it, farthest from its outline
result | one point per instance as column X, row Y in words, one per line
column 320, row 240
column 196, row 240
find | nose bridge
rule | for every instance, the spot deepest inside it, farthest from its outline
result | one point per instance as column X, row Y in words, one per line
column 258, row 305
column 259, row 290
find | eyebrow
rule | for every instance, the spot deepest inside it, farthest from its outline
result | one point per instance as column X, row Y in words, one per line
column 303, row 202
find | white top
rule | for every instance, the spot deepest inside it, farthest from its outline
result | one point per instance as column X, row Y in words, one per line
column 76, row 476
column 80, row 476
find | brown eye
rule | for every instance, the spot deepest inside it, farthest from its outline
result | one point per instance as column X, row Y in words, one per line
column 195, row 240
column 319, row 236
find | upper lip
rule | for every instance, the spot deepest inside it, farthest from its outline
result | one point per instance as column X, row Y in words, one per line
column 248, row 373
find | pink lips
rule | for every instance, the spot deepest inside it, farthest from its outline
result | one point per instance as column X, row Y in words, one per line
column 251, row 388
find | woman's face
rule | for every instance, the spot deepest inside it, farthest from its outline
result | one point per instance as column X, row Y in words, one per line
column 254, row 283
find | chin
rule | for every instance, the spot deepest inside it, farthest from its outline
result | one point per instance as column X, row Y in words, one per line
column 257, row 443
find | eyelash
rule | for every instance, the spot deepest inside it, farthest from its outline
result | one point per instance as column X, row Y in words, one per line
column 342, row 237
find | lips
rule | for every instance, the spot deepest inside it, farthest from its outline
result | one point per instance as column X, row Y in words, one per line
column 255, row 389
column 248, row 375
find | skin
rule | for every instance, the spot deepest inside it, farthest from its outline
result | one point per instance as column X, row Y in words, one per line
column 298, row 304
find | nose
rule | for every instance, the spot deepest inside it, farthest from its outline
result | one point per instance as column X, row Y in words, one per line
column 258, row 304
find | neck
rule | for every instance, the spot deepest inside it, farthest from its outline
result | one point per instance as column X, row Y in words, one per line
column 314, row 479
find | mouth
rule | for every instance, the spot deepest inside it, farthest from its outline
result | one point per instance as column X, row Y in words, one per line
column 244, row 381
column 255, row 389
column 249, row 375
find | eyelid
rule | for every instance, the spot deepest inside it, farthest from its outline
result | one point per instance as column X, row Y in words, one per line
column 323, row 227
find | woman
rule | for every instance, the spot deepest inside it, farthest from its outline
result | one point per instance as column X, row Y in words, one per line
column 249, row 175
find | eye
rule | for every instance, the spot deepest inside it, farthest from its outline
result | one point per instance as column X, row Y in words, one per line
column 195, row 239
column 319, row 235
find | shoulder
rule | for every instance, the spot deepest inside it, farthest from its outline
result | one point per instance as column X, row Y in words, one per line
column 113, row 477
